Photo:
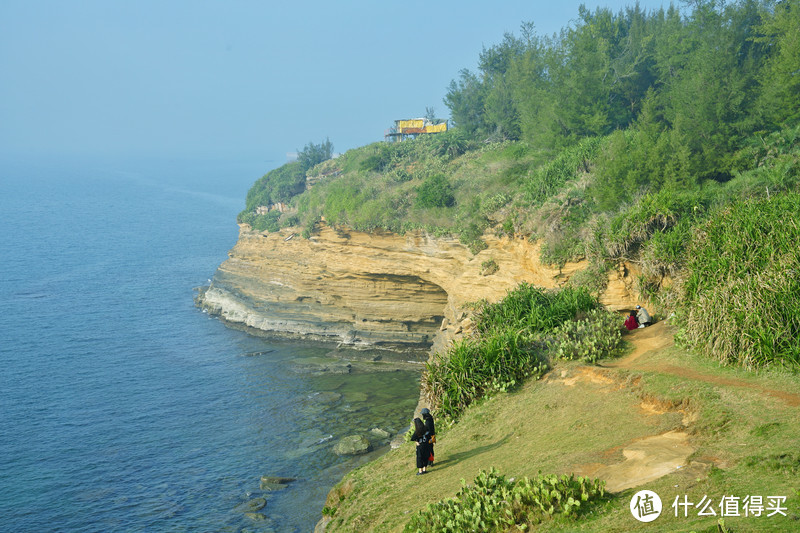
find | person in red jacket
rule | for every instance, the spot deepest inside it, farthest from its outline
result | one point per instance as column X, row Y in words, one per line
column 631, row 323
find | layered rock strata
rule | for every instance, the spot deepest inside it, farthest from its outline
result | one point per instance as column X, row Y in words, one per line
column 377, row 289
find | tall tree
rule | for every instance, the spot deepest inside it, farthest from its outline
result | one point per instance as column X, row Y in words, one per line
column 314, row 154
column 780, row 78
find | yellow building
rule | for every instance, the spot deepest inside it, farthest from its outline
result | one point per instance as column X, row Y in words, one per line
column 412, row 127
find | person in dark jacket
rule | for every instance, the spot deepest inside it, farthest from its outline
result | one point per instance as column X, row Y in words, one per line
column 431, row 429
column 420, row 437
column 631, row 323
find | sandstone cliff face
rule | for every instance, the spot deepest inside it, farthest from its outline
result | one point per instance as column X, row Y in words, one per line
column 377, row 289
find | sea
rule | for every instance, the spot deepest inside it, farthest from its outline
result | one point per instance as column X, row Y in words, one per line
column 123, row 407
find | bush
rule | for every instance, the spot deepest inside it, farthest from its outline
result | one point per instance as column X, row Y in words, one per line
column 379, row 160
column 435, row 191
column 510, row 346
column 479, row 367
column 547, row 179
column 741, row 299
column 489, row 267
column 278, row 185
column 651, row 214
column 590, row 338
column 533, row 309
column 494, row 503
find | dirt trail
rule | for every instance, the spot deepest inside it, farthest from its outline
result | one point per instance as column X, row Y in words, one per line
column 651, row 457
column 658, row 337
column 655, row 337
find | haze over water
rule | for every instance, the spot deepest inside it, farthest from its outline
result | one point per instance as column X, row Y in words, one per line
column 125, row 408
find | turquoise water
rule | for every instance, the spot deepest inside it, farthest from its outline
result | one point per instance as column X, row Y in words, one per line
column 122, row 406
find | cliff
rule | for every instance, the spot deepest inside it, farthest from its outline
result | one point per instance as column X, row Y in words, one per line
column 378, row 289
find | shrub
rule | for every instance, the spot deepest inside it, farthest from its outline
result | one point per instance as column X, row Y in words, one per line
column 489, row 267
column 278, row 185
column 593, row 278
column 494, row 503
column 651, row 214
column 470, row 235
column 378, row 160
column 509, row 347
column 533, row 309
column 741, row 299
column 592, row 337
column 451, row 143
column 479, row 367
column 547, row 179
column 435, row 191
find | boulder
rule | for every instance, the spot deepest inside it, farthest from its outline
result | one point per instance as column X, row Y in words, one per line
column 352, row 445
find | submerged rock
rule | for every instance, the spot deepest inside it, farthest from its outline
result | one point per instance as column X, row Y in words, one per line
column 256, row 504
column 319, row 366
column 352, row 445
column 325, row 397
column 268, row 487
column 380, row 433
column 270, row 483
column 355, row 396
column 277, row 479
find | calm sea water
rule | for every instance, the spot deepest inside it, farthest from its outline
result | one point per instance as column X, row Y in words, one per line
column 122, row 406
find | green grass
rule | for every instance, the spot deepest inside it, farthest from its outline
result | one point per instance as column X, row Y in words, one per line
column 514, row 340
column 744, row 440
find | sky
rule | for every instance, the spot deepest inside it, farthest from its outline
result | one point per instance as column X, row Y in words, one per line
column 239, row 78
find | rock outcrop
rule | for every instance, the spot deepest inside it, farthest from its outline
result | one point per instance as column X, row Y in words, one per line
column 378, row 289
column 352, row 445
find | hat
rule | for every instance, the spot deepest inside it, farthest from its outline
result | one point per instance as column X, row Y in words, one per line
column 425, row 411
column 638, row 307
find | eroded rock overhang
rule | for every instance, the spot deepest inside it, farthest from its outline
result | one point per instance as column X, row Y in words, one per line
column 374, row 289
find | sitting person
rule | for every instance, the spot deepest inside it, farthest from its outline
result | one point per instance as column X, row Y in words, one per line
column 631, row 323
column 643, row 317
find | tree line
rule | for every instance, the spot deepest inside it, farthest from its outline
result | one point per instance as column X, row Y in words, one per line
column 687, row 86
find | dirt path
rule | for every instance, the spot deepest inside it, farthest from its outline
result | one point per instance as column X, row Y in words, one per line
column 651, row 457
column 655, row 337
column 658, row 337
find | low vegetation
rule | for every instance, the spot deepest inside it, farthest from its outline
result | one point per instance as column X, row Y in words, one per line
column 516, row 339
column 493, row 503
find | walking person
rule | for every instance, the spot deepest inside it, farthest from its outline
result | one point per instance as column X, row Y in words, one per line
column 420, row 437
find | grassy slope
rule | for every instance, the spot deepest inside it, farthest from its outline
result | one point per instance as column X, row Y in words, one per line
column 740, row 424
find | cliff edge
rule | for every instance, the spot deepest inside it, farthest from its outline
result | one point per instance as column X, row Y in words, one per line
column 377, row 289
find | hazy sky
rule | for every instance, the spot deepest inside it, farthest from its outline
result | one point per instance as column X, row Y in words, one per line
column 237, row 78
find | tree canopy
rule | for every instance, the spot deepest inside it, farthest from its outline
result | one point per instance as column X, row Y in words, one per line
column 692, row 82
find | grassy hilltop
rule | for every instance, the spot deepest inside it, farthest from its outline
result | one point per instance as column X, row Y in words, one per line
column 670, row 139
